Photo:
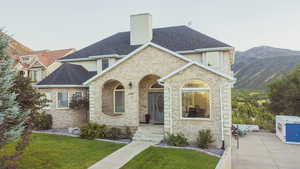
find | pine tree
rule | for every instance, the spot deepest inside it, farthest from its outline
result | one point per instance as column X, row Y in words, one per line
column 11, row 118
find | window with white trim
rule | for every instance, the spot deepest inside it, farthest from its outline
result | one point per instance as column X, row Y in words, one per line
column 105, row 64
column 214, row 59
column 119, row 99
column 63, row 99
column 195, row 100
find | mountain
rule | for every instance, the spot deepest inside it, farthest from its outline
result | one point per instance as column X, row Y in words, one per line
column 256, row 67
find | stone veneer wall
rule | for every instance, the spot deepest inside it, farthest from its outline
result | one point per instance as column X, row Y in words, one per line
column 64, row 118
column 190, row 127
column 149, row 61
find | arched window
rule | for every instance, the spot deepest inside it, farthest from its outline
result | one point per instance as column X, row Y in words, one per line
column 156, row 86
column 119, row 99
column 195, row 100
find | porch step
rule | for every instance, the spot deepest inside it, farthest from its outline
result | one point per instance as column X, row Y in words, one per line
column 149, row 133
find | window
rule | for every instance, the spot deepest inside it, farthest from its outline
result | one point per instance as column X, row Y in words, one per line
column 195, row 100
column 119, row 99
column 62, row 100
column 105, row 64
column 213, row 59
column 156, row 86
column 48, row 97
column 35, row 75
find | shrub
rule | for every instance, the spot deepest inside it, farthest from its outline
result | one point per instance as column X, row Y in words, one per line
column 92, row 130
column 176, row 140
column 205, row 138
column 113, row 133
column 42, row 121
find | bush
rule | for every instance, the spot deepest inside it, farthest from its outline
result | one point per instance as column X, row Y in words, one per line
column 205, row 138
column 176, row 140
column 92, row 130
column 113, row 133
column 42, row 121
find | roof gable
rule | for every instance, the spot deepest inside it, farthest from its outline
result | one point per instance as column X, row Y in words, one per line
column 178, row 38
column 201, row 66
column 132, row 54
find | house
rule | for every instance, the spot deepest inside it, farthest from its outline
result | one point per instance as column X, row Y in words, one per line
column 39, row 64
column 173, row 76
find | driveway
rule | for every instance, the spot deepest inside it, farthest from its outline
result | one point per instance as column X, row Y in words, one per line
column 264, row 151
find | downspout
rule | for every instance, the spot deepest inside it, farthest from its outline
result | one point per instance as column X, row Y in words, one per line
column 170, row 99
column 222, row 119
column 222, row 115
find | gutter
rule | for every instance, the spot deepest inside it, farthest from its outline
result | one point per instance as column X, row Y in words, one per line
column 121, row 56
column 58, row 86
column 171, row 112
column 91, row 58
column 205, row 50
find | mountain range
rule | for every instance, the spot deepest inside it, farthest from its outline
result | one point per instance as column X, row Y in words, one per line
column 256, row 67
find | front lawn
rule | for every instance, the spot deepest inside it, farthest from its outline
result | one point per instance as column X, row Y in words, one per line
column 60, row 152
column 168, row 158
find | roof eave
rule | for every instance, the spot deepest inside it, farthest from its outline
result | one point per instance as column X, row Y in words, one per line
column 205, row 50
column 59, row 86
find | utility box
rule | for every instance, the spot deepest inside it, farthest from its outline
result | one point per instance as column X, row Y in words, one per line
column 288, row 129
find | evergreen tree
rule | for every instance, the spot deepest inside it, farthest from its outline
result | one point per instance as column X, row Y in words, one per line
column 11, row 118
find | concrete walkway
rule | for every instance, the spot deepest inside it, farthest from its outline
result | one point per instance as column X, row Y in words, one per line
column 120, row 157
column 264, row 151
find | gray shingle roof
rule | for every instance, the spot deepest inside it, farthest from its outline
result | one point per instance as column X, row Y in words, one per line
column 178, row 38
column 68, row 74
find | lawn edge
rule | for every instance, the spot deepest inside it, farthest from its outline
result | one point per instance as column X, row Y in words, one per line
column 76, row 136
column 188, row 148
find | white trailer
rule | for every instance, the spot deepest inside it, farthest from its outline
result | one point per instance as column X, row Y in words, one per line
column 288, row 129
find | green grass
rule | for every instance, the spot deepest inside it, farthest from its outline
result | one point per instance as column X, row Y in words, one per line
column 168, row 158
column 60, row 152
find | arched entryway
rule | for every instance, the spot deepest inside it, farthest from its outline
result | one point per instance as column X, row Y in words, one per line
column 113, row 98
column 151, row 100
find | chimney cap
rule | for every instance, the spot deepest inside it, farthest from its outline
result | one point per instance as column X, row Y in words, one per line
column 140, row 14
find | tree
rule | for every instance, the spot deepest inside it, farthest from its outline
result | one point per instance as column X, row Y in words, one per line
column 284, row 93
column 12, row 120
column 26, row 103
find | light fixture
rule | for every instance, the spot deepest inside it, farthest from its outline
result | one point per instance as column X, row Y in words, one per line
column 130, row 85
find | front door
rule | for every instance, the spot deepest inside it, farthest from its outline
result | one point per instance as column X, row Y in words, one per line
column 156, row 107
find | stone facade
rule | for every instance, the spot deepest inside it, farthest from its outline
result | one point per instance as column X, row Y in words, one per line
column 149, row 61
column 190, row 127
column 143, row 69
column 66, row 117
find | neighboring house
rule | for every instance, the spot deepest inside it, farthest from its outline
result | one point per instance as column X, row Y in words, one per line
column 179, row 76
column 39, row 64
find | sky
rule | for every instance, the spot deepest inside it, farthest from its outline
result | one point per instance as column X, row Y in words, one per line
column 58, row 24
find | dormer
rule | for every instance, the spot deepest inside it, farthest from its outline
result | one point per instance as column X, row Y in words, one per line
column 220, row 60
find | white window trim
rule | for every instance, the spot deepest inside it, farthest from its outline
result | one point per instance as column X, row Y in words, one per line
column 195, row 90
column 61, row 108
column 114, row 100
column 81, row 93
column 102, row 64
column 221, row 60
